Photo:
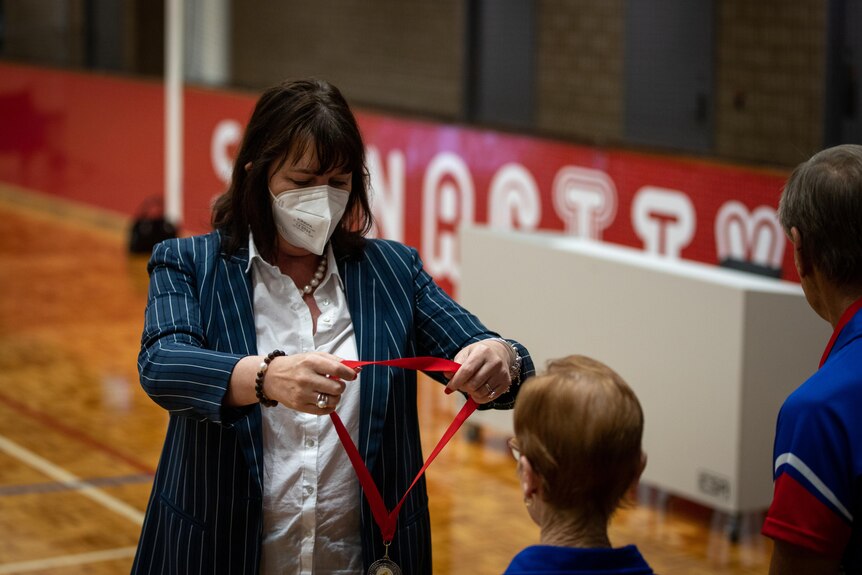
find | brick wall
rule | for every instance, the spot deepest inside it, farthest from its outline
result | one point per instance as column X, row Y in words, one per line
column 396, row 54
column 580, row 69
column 408, row 55
column 46, row 32
column 770, row 79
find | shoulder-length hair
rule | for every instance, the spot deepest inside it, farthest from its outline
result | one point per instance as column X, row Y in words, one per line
column 287, row 120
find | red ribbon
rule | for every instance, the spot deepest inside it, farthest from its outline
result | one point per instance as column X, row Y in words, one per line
column 384, row 519
column 844, row 320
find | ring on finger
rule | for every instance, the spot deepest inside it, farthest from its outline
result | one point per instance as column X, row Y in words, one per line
column 322, row 400
column 491, row 392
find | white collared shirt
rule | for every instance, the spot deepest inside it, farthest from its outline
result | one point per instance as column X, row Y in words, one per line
column 311, row 495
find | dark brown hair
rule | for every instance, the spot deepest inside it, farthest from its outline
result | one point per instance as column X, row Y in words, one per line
column 287, row 120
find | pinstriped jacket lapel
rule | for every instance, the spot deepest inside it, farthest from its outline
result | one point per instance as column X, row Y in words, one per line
column 233, row 276
column 236, row 279
column 368, row 314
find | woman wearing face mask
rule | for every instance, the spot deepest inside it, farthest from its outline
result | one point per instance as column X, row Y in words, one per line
column 246, row 330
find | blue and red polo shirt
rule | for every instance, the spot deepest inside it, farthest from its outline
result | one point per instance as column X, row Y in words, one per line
column 817, row 499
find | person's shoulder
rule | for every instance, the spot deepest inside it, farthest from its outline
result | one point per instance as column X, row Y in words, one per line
column 804, row 402
column 838, row 382
column 525, row 561
column 634, row 559
column 189, row 247
column 844, row 365
column 213, row 237
column 826, row 401
column 537, row 559
column 384, row 246
column 390, row 251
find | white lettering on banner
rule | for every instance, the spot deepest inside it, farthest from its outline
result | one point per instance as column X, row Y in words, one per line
column 513, row 200
column 387, row 200
column 447, row 201
column 586, row 201
column 755, row 237
column 664, row 219
column 227, row 134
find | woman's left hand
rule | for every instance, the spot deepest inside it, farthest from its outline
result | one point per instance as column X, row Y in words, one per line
column 484, row 372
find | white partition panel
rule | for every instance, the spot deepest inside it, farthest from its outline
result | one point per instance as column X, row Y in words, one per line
column 710, row 352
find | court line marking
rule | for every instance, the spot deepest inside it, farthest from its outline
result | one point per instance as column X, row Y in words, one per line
column 66, row 560
column 54, row 487
column 61, row 475
column 52, row 423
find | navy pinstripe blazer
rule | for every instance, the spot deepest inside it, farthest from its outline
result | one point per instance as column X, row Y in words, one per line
column 204, row 513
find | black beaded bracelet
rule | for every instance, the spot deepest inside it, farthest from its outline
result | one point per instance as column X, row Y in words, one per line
column 258, row 381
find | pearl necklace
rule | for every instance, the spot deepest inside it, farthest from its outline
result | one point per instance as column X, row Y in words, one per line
column 318, row 275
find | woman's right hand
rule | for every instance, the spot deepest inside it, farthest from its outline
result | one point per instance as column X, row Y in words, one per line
column 295, row 381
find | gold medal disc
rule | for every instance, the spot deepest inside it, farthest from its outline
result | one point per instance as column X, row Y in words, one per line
column 384, row 567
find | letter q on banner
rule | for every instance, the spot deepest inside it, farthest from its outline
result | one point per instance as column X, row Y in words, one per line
column 226, row 137
column 513, row 200
column 664, row 219
column 755, row 237
column 586, row 201
column 447, row 202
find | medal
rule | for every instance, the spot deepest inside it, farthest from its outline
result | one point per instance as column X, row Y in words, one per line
column 384, row 566
column 385, row 519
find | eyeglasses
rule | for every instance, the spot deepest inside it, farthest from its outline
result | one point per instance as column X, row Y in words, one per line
column 513, row 447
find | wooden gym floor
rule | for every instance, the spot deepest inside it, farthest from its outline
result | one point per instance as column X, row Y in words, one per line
column 79, row 440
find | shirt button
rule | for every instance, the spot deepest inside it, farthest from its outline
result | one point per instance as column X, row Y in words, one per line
column 325, row 301
column 309, row 489
column 309, row 443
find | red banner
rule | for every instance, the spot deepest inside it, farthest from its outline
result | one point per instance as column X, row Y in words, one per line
column 100, row 140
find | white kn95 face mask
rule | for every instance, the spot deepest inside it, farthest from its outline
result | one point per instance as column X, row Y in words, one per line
column 307, row 217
